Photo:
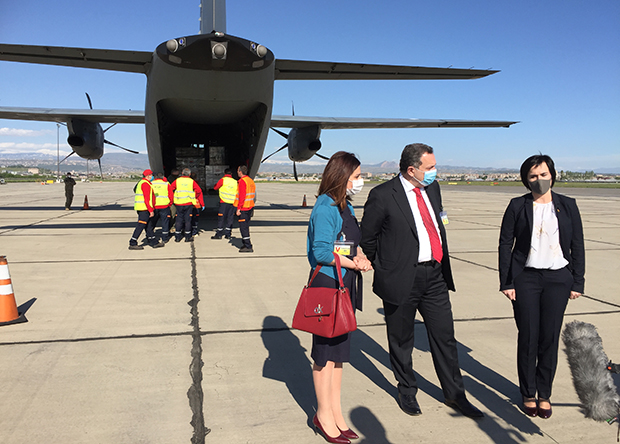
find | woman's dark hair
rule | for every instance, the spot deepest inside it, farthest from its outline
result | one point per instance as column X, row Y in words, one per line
column 534, row 161
column 336, row 175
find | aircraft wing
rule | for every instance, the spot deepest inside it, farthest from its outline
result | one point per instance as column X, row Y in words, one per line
column 309, row 70
column 63, row 115
column 110, row 59
column 353, row 123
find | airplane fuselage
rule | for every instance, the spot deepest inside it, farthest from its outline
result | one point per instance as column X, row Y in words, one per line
column 208, row 103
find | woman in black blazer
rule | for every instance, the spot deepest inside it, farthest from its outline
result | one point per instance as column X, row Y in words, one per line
column 541, row 267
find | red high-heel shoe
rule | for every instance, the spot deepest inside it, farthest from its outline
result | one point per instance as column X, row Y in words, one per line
column 337, row 440
column 350, row 434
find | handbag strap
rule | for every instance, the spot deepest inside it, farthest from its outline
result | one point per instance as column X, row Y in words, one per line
column 338, row 270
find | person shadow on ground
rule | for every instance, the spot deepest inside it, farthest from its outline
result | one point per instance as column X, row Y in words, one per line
column 287, row 362
column 497, row 395
column 369, row 427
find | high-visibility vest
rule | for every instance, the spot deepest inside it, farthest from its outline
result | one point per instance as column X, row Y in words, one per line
column 160, row 188
column 228, row 190
column 184, row 193
column 250, row 194
column 139, row 203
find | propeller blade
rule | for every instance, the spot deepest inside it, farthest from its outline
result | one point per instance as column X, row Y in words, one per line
column 118, row 146
column 292, row 108
column 275, row 152
column 110, row 127
column 89, row 102
column 283, row 134
column 100, row 170
column 321, row 156
column 295, row 171
column 72, row 152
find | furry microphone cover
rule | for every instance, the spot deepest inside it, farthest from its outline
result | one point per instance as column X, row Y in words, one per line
column 588, row 364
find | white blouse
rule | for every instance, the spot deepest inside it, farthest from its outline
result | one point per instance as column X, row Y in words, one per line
column 545, row 250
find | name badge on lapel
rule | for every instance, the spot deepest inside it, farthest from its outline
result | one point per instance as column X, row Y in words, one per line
column 444, row 217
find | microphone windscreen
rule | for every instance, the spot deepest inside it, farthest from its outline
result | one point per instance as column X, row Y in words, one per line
column 588, row 364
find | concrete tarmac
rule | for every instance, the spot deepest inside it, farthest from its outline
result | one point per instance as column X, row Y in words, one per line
column 192, row 342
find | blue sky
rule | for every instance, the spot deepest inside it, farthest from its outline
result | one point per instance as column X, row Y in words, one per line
column 559, row 62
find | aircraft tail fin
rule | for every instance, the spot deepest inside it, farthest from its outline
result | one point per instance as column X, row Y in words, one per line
column 212, row 16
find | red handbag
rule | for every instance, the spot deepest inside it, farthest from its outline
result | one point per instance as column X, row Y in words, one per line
column 324, row 311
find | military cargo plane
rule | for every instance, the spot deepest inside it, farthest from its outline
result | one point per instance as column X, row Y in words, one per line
column 209, row 98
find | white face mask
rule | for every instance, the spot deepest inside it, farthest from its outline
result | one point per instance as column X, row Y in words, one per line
column 358, row 184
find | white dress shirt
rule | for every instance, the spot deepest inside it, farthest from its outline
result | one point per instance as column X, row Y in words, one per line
column 425, row 253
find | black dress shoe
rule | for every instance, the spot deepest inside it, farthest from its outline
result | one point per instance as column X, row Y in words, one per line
column 409, row 404
column 465, row 407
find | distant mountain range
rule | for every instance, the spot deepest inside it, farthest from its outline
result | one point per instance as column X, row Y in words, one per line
column 377, row 168
column 127, row 163
column 114, row 163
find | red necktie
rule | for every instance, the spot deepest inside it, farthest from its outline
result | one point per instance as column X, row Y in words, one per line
column 430, row 226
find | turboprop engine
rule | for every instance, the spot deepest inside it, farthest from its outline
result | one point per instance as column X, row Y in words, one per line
column 86, row 138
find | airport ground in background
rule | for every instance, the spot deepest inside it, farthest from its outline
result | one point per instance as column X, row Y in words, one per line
column 158, row 346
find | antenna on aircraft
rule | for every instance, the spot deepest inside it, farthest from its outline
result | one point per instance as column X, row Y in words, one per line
column 212, row 16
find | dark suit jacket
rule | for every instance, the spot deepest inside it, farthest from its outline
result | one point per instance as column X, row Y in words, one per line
column 516, row 235
column 390, row 240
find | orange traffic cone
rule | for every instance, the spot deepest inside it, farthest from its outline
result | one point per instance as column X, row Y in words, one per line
column 86, row 207
column 8, row 307
column 304, row 204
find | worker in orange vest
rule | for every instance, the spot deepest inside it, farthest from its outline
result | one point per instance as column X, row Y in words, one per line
column 144, row 204
column 244, row 203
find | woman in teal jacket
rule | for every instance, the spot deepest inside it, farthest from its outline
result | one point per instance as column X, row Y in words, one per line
column 333, row 221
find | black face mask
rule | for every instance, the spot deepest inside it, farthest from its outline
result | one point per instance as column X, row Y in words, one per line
column 540, row 186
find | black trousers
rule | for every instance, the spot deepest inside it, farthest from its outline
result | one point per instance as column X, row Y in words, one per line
column 244, row 227
column 144, row 222
column 225, row 219
column 430, row 297
column 195, row 219
column 541, row 298
column 162, row 215
column 183, row 225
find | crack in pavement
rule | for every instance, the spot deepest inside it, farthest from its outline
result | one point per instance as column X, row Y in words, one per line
column 195, row 393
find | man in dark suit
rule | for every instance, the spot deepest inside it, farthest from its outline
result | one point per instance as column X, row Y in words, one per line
column 405, row 239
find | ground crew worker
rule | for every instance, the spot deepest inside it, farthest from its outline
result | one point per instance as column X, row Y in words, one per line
column 227, row 187
column 174, row 174
column 195, row 213
column 185, row 190
column 144, row 205
column 69, row 184
column 163, row 200
column 244, row 203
